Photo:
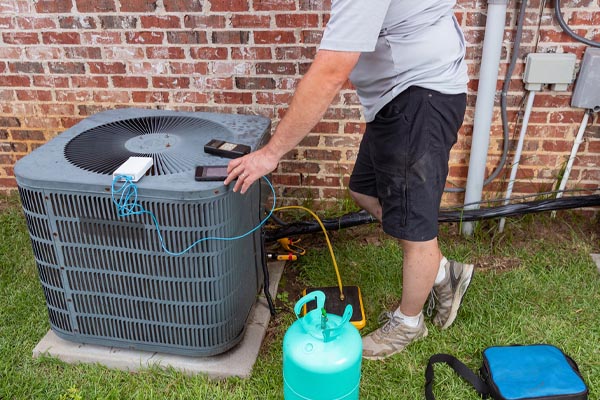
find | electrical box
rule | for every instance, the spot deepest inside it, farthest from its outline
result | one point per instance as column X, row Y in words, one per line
column 549, row 69
column 587, row 88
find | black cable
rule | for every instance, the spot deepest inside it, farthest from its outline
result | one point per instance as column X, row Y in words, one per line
column 265, row 268
column 448, row 215
column 568, row 30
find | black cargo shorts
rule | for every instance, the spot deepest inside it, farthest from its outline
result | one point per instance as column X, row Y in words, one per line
column 403, row 160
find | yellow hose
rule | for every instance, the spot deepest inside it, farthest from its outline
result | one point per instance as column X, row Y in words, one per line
column 316, row 217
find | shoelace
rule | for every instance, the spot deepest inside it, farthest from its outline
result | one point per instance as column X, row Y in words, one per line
column 389, row 319
column 431, row 303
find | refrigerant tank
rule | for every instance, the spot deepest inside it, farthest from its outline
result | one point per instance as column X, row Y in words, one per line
column 322, row 354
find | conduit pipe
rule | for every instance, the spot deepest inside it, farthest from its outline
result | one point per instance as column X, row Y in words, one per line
column 578, row 141
column 484, row 106
column 515, row 166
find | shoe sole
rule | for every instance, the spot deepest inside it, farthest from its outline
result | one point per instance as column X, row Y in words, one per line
column 379, row 358
column 463, row 286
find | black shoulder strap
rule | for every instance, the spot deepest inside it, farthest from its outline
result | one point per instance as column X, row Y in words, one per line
column 460, row 368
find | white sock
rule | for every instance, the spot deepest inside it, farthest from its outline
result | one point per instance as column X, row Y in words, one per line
column 413, row 322
column 441, row 275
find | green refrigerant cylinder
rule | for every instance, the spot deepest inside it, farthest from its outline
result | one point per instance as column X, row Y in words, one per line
column 322, row 354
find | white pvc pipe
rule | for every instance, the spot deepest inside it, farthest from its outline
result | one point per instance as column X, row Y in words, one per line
column 515, row 166
column 484, row 106
column 578, row 141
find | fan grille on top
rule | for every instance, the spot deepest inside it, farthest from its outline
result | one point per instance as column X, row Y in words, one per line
column 169, row 140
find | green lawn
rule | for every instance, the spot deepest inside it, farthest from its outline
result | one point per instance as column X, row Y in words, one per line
column 534, row 283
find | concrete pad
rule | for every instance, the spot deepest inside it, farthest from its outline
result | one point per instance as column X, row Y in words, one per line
column 596, row 258
column 236, row 362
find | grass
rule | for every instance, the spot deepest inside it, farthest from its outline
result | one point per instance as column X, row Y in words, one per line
column 534, row 283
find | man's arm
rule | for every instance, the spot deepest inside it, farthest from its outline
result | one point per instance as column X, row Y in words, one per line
column 324, row 79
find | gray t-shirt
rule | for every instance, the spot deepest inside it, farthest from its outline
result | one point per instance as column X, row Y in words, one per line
column 403, row 43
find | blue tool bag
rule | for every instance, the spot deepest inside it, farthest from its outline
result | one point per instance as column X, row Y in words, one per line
column 529, row 372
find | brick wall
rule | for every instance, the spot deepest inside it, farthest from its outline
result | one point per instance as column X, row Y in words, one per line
column 63, row 60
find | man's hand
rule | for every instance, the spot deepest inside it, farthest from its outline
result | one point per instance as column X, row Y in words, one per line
column 249, row 168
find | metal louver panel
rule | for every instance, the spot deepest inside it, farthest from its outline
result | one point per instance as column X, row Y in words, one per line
column 173, row 142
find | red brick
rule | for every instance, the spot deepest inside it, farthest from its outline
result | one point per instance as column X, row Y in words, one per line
column 209, row 53
column 96, row 6
column 110, row 96
column 233, row 98
column 354, row 127
column 87, row 53
column 179, row 37
column 66, row 68
column 146, row 37
column 315, row 5
column 183, row 68
column 12, row 147
column 124, row 53
column 41, row 53
column 190, row 97
column 34, row 95
column 89, row 81
column 274, row 37
column 15, row 80
column 254, row 83
column 118, row 21
column 61, row 38
column 90, row 109
column 251, row 53
column 99, row 38
column 205, row 83
column 10, row 122
column 150, row 97
column 51, row 81
column 138, row 5
column 107, row 67
column 231, row 37
column 250, row 21
column 301, row 168
column 166, row 53
column 74, row 96
column 287, row 181
column 274, row 5
column 53, row 6
column 183, row 6
column 170, row 82
column 26, row 67
column 77, row 22
column 130, row 82
column 35, row 22
column 204, row 21
column 68, row 122
column 275, row 68
column 295, row 53
column 160, row 22
column 273, row 98
column 20, row 37
column 565, row 117
column 27, row 134
column 319, row 154
column 56, row 109
column 297, row 20
column 229, row 5
column 311, row 37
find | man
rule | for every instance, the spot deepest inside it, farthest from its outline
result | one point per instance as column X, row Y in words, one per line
column 406, row 60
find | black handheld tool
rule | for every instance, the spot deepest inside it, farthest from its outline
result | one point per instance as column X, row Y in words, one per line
column 226, row 149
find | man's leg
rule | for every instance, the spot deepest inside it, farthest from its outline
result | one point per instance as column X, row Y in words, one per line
column 369, row 203
column 421, row 262
column 420, row 266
